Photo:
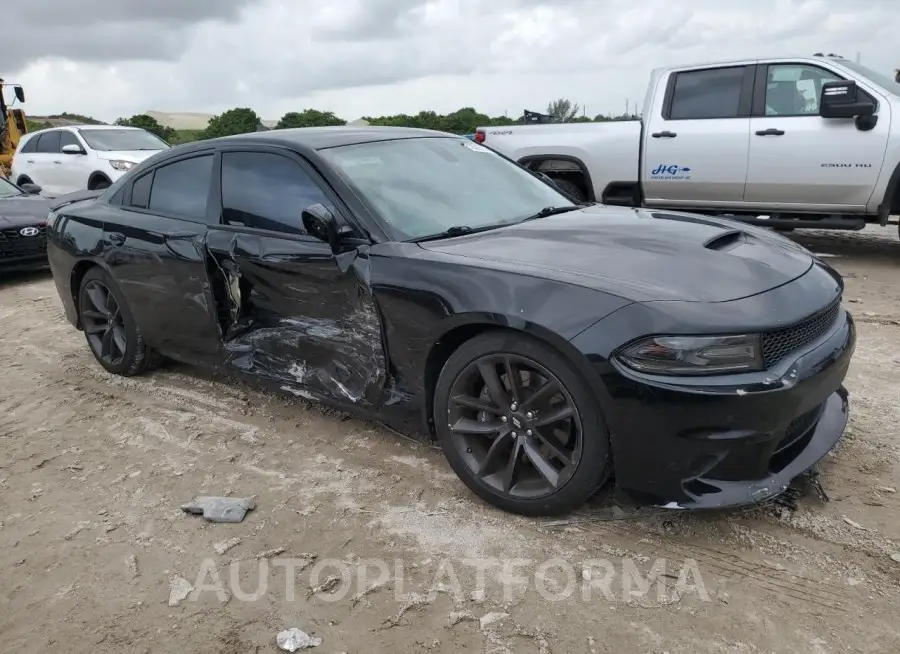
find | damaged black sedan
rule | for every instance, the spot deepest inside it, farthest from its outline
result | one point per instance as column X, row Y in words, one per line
column 423, row 280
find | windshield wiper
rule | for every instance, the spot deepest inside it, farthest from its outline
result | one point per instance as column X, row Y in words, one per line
column 550, row 211
column 457, row 230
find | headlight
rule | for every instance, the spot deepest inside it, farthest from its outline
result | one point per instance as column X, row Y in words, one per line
column 694, row 355
column 118, row 164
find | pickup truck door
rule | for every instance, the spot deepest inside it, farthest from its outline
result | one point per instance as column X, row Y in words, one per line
column 696, row 142
column 801, row 160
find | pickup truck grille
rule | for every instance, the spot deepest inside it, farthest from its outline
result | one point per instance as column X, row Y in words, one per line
column 778, row 344
column 14, row 245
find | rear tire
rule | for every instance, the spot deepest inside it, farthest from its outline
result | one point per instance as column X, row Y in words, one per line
column 110, row 330
column 540, row 448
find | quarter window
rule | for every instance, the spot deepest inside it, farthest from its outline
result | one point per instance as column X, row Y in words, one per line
column 31, row 144
column 267, row 191
column 711, row 93
column 182, row 188
column 48, row 142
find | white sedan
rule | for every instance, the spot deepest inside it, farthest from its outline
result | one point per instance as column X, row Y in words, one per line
column 66, row 159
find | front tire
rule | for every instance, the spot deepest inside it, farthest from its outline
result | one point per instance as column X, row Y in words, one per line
column 110, row 329
column 570, row 188
column 519, row 425
column 99, row 183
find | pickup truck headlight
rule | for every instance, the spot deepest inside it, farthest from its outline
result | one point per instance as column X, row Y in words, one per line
column 694, row 355
column 118, row 164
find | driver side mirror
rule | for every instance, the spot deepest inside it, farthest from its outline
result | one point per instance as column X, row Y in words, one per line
column 73, row 149
column 31, row 189
column 840, row 99
column 320, row 222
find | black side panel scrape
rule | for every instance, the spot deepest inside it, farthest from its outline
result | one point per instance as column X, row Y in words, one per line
column 289, row 315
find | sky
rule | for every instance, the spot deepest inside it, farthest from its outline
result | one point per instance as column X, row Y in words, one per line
column 112, row 58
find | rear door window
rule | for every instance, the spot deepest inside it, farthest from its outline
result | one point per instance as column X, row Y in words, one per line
column 140, row 191
column 48, row 143
column 711, row 93
column 182, row 188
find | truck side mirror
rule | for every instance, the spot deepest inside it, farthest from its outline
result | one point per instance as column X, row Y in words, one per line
column 20, row 93
column 840, row 99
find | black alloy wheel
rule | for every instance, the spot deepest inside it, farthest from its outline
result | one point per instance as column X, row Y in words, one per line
column 103, row 323
column 521, row 429
column 111, row 332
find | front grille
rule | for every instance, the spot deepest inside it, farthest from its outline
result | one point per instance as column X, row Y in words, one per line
column 14, row 245
column 778, row 344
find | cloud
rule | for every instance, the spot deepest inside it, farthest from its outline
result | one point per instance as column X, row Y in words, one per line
column 118, row 57
column 104, row 30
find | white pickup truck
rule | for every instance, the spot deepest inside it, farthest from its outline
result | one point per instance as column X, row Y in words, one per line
column 782, row 142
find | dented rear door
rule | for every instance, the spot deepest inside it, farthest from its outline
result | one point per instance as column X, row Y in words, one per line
column 290, row 310
column 156, row 253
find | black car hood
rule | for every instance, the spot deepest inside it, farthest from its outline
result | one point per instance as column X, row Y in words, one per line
column 639, row 254
column 22, row 211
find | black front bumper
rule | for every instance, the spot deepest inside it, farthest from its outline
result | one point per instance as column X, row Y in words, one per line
column 725, row 442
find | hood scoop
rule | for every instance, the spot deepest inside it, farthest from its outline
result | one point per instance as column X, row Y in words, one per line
column 726, row 241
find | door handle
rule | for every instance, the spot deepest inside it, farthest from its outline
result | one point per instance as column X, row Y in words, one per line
column 57, row 162
column 770, row 132
column 116, row 238
column 29, row 161
column 664, row 135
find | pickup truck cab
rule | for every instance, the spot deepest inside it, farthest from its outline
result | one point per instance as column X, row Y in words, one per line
column 783, row 142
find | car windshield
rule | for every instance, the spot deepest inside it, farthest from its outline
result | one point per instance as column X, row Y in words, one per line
column 117, row 140
column 426, row 186
column 7, row 190
column 888, row 83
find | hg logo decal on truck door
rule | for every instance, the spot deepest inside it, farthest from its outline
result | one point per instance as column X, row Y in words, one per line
column 670, row 171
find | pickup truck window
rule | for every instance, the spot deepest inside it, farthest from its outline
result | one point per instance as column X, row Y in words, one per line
column 710, row 93
column 794, row 89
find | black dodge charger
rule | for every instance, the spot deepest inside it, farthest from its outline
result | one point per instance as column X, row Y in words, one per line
column 420, row 279
column 23, row 219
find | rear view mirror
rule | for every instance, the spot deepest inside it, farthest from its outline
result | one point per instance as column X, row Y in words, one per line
column 31, row 189
column 840, row 99
column 20, row 93
column 320, row 222
column 73, row 149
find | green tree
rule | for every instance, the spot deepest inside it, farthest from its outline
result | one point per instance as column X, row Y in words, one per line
column 150, row 124
column 563, row 110
column 309, row 118
column 35, row 125
column 234, row 121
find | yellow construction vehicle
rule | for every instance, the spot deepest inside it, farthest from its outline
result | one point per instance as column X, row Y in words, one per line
column 12, row 125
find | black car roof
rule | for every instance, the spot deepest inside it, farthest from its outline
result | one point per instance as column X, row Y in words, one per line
column 320, row 138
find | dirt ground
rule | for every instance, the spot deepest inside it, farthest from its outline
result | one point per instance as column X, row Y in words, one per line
column 97, row 556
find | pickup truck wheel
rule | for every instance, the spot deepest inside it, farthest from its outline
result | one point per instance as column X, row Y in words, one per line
column 570, row 188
